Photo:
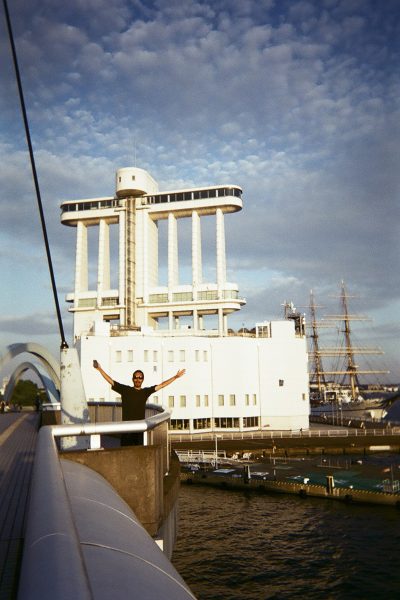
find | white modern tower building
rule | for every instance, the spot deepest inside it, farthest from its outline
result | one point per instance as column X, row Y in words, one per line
column 127, row 320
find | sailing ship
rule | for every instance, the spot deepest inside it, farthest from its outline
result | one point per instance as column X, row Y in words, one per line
column 340, row 389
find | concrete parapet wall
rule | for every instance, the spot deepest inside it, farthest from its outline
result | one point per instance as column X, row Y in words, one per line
column 136, row 473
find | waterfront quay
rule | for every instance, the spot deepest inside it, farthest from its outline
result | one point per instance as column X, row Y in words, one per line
column 283, row 483
column 318, row 439
column 352, row 465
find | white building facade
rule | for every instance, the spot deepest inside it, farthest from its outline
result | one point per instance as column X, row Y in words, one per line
column 232, row 382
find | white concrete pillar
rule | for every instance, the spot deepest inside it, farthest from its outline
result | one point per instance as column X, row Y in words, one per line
column 145, row 256
column 170, row 321
column 195, row 320
column 74, row 408
column 173, row 266
column 221, row 258
column 196, row 253
column 121, row 265
column 220, row 321
column 103, row 263
column 81, row 260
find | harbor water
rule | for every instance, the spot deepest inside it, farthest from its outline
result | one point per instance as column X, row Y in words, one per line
column 235, row 545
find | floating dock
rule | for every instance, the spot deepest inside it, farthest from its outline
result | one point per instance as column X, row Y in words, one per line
column 264, row 482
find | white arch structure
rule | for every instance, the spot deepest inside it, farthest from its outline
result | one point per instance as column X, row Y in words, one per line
column 53, row 395
column 48, row 369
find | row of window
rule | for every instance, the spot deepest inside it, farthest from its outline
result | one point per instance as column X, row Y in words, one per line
column 195, row 195
column 157, row 199
column 188, row 296
column 228, row 400
column 231, row 400
column 92, row 302
column 217, row 423
column 92, row 205
column 154, row 355
column 163, row 298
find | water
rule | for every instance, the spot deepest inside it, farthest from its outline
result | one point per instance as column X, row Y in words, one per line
column 247, row 546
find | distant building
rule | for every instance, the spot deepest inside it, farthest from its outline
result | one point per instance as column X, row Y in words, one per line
column 233, row 382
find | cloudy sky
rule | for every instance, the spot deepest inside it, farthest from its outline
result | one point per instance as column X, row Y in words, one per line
column 295, row 101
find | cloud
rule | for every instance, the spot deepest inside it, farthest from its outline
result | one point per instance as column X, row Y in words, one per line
column 30, row 325
column 297, row 102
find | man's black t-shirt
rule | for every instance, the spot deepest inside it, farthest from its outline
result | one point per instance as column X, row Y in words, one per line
column 133, row 400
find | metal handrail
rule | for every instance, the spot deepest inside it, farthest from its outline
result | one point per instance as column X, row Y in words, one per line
column 52, row 543
column 271, row 435
column 109, row 427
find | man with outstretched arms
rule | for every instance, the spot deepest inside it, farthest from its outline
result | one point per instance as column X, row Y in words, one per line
column 134, row 398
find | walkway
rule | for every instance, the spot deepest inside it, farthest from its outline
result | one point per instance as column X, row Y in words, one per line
column 18, row 434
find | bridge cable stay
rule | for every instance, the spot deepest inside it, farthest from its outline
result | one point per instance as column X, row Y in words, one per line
column 35, row 177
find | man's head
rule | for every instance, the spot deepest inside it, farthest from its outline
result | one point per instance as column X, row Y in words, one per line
column 137, row 379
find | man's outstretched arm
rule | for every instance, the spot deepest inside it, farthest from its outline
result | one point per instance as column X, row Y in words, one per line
column 170, row 380
column 97, row 366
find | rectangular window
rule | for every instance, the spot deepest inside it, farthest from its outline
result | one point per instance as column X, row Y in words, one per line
column 146, row 356
column 130, row 355
column 182, row 401
column 232, row 400
column 170, row 356
column 206, row 400
column 171, row 401
column 247, row 399
column 226, row 422
column 254, row 399
column 182, row 355
column 154, row 399
column 118, row 356
column 197, row 355
column 178, row 424
column 281, row 382
column 250, row 421
column 220, row 400
column 205, row 355
column 197, row 400
column 201, row 423
column 155, row 356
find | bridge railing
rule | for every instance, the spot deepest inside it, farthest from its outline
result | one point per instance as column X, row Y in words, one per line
column 56, row 518
column 280, row 434
column 154, row 428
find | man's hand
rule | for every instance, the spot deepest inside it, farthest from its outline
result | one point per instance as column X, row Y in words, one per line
column 170, row 380
column 97, row 366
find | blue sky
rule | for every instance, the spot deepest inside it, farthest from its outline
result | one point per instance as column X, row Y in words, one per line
column 296, row 102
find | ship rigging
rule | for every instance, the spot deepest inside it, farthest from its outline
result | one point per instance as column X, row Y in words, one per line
column 346, row 377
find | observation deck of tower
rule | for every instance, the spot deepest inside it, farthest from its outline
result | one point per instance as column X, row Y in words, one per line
column 139, row 301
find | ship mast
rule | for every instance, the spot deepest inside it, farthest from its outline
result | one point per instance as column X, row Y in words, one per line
column 351, row 371
column 317, row 374
column 351, row 366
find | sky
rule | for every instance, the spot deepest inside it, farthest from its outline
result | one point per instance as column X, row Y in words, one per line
column 297, row 102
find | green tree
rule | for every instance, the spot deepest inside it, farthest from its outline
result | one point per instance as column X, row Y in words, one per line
column 25, row 393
